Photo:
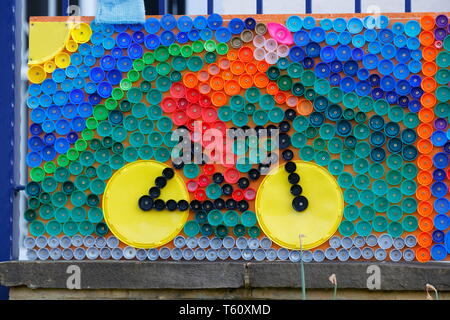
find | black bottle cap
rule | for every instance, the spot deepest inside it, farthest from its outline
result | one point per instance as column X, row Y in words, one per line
column 300, row 203
column 284, row 141
column 243, row 183
column 219, row 204
column 227, row 189
column 254, row 174
column 230, row 204
column 154, row 192
column 160, row 182
column 296, row 190
column 290, row 114
column 171, row 205
column 196, row 205
column 145, row 203
column 290, row 167
column 183, row 205
column 287, row 155
column 168, row 173
column 284, row 126
column 159, row 204
column 207, row 205
column 242, row 205
column 178, row 163
column 218, row 177
column 293, row 178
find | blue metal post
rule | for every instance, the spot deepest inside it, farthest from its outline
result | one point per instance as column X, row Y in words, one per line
column 64, row 6
column 357, row 6
column 407, row 5
column 259, row 6
column 162, row 7
column 7, row 96
column 308, row 6
column 210, row 6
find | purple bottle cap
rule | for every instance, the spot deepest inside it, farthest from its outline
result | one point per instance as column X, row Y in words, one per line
column 447, row 147
column 440, row 34
column 440, row 124
column 441, row 20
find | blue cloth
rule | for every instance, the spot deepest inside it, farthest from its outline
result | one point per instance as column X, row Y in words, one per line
column 120, row 11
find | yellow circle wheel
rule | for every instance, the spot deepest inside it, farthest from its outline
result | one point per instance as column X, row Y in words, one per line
column 137, row 228
column 281, row 223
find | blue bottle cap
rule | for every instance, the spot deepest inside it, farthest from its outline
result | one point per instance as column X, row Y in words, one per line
column 135, row 51
column 355, row 25
column 413, row 44
column 250, row 23
column 309, row 22
column 317, row 34
column 294, row 23
column 357, row 54
column 412, row 28
column 380, row 254
column 401, row 71
column 223, row 34
column 206, row 34
column 49, row 139
column 33, row 159
column 200, row 22
column 439, row 138
column 335, row 79
column 182, row 37
column 194, row 35
column 438, row 252
column 370, row 61
column 114, row 76
column 35, row 129
column 339, row 25
column 236, row 26
column 370, row 35
column 336, row 66
column 301, row 38
column 152, row 41
column 62, row 145
column 168, row 22
column 38, row 115
column 440, row 160
column 168, row 37
column 388, row 51
column 332, row 38
column 363, row 74
column 350, row 68
column 438, row 236
column 374, row 47
column 345, row 37
column 185, row 23
column 214, row 21
column 322, row 70
column 138, row 36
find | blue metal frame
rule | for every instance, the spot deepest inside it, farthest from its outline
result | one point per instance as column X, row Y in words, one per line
column 7, row 96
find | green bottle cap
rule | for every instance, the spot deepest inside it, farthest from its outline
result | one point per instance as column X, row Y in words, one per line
column 62, row 215
column 37, row 174
column 53, row 228
column 191, row 228
column 86, row 228
column 254, row 232
column 222, row 48
column 70, row 228
column 37, row 228
column 162, row 154
column 95, row 215
column 49, row 167
column 346, row 228
column 46, row 212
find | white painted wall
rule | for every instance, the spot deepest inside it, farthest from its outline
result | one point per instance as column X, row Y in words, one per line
column 318, row 6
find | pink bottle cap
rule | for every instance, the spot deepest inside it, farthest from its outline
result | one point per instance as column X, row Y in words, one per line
column 280, row 33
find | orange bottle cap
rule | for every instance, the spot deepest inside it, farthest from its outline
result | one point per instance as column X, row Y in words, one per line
column 426, row 115
column 427, row 22
column 237, row 67
column 424, row 239
column 424, row 146
column 261, row 80
column 423, row 193
column 245, row 54
column 232, row 87
column 426, row 38
column 429, row 53
column 227, row 75
column 428, row 84
column 262, row 66
column 424, row 208
column 423, row 255
column 219, row 99
column 213, row 69
column 280, row 97
column 245, row 81
column 424, row 130
column 424, row 162
column 216, row 83
column 304, row 107
column 232, row 55
column 251, row 68
column 291, row 101
column 272, row 88
column 424, row 178
column 429, row 69
column 425, row 224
